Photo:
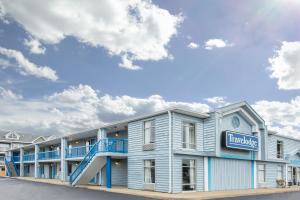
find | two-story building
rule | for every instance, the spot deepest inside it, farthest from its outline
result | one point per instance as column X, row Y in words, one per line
column 173, row 150
column 12, row 139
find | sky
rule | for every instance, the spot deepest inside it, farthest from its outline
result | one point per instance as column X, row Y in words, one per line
column 69, row 66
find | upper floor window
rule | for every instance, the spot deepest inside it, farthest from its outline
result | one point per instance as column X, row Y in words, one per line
column 149, row 132
column 188, row 136
column 279, row 149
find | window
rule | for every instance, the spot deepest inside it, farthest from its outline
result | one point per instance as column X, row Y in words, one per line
column 279, row 172
column 188, row 175
column 188, row 136
column 12, row 135
column 262, row 173
column 149, row 135
column 279, row 149
column 149, row 171
column 290, row 174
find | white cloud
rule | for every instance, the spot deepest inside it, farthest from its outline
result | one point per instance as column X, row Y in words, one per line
column 34, row 46
column 217, row 100
column 193, row 45
column 216, row 43
column 78, row 108
column 283, row 117
column 9, row 95
column 285, row 66
column 137, row 29
column 24, row 66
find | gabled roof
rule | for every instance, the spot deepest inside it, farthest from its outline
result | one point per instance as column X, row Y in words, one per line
column 21, row 137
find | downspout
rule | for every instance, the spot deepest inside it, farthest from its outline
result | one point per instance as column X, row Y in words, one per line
column 170, row 151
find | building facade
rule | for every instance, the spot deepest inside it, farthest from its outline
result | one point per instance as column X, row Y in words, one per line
column 174, row 150
column 11, row 140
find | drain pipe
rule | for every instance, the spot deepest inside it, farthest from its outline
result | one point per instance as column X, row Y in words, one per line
column 170, row 151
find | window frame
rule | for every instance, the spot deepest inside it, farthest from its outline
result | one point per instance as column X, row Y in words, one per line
column 280, row 151
column 151, row 167
column 188, row 144
column 152, row 131
column 279, row 170
column 261, row 170
column 194, row 167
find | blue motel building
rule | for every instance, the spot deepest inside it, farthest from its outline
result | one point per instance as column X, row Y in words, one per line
column 173, row 150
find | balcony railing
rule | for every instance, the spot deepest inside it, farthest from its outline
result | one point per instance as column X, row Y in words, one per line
column 113, row 145
column 49, row 155
column 28, row 157
column 75, row 152
column 16, row 158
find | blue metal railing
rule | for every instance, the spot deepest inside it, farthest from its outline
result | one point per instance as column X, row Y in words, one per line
column 49, row 155
column 8, row 172
column 104, row 145
column 28, row 157
column 75, row 152
column 16, row 158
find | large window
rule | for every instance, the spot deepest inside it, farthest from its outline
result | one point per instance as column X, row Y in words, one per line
column 279, row 172
column 261, row 173
column 188, row 175
column 149, row 134
column 290, row 174
column 188, row 136
column 279, row 149
column 149, row 171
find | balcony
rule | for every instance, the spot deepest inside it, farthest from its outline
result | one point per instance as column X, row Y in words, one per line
column 49, row 155
column 16, row 158
column 28, row 157
column 77, row 152
column 113, row 145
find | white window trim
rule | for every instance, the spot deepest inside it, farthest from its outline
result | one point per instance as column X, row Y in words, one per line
column 281, row 154
column 195, row 176
column 188, row 145
column 264, row 170
column 150, row 167
column 152, row 128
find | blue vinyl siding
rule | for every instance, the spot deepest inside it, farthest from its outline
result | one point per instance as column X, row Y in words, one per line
column 136, row 154
column 178, row 120
column 209, row 130
column 229, row 174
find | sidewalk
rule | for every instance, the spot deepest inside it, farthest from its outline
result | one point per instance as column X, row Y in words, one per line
column 160, row 195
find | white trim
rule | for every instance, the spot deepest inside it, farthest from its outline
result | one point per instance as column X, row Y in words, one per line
column 255, row 175
column 205, row 174
column 170, row 151
column 33, row 141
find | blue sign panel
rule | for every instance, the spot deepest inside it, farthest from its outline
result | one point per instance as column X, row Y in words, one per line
column 241, row 141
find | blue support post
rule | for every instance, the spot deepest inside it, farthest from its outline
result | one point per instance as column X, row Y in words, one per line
column 108, row 171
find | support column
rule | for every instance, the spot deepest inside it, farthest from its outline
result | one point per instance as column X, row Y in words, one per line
column 101, row 134
column 108, row 171
column 205, row 174
column 63, row 162
column 21, row 162
column 36, row 163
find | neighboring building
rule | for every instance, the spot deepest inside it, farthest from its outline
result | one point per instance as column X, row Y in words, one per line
column 173, row 150
column 10, row 140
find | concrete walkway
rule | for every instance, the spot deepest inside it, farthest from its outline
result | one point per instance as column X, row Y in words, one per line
column 184, row 195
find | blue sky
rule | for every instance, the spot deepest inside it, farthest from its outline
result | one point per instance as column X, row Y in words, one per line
column 91, row 63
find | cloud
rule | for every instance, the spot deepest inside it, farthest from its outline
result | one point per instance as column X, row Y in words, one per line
column 24, row 66
column 136, row 29
column 216, row 43
column 217, row 100
column 34, row 46
column 8, row 95
column 283, row 117
column 78, row 108
column 285, row 66
column 193, row 45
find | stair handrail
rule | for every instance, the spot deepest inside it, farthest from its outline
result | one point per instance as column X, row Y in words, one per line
column 7, row 167
column 87, row 158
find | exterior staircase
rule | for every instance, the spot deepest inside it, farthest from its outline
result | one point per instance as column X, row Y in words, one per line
column 95, row 159
column 11, row 168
